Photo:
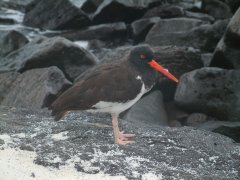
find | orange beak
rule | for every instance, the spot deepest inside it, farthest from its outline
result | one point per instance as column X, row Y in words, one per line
column 165, row 72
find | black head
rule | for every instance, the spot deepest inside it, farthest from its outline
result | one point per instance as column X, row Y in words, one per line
column 143, row 58
column 141, row 55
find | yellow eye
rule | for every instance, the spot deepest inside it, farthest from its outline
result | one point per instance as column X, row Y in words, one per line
column 142, row 56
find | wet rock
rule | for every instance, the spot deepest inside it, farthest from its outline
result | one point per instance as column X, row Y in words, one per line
column 195, row 119
column 63, row 14
column 33, row 89
column 176, row 116
column 82, row 146
column 148, row 111
column 227, row 52
column 101, row 32
column 6, row 21
column 121, row 10
column 165, row 11
column 217, row 9
column 19, row 5
column 233, row 4
column 141, row 27
column 6, row 82
column 206, row 59
column 199, row 15
column 45, row 52
column 178, row 60
column 213, row 91
column 10, row 41
column 204, row 37
column 229, row 129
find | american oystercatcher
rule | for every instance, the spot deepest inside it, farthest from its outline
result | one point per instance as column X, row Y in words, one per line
column 112, row 88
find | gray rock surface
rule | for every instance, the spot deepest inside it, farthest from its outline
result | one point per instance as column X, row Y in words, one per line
column 102, row 32
column 148, row 111
column 230, row 129
column 10, row 41
column 82, row 143
column 165, row 11
column 33, row 89
column 213, row 91
column 45, row 52
column 204, row 37
column 227, row 52
column 141, row 27
column 217, row 9
column 63, row 14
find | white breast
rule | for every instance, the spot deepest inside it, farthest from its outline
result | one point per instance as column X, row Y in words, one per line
column 115, row 107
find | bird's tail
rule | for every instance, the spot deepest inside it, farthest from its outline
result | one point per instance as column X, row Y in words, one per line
column 58, row 115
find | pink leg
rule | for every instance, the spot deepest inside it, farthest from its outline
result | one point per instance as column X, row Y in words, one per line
column 119, row 137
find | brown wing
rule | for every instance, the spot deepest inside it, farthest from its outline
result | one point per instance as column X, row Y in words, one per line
column 109, row 83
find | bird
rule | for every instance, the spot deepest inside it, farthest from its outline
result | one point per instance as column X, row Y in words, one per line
column 113, row 88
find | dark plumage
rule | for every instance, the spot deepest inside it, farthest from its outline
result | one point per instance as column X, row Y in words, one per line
column 110, row 88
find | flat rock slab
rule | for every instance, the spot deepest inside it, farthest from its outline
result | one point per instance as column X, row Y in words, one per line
column 81, row 146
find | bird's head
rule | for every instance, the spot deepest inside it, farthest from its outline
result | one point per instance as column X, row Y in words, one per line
column 143, row 56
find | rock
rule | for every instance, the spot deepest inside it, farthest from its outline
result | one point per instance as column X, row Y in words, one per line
column 6, row 82
column 33, row 89
column 81, row 146
column 227, row 52
column 102, row 32
column 195, row 119
column 141, row 27
column 217, row 9
column 165, row 11
column 233, row 4
column 174, row 25
column 178, row 60
column 148, row 111
column 206, row 59
column 121, row 10
column 65, row 14
column 204, row 37
column 212, row 91
column 45, row 52
column 6, row 21
column 19, row 5
column 10, row 41
column 198, row 15
column 176, row 116
column 229, row 129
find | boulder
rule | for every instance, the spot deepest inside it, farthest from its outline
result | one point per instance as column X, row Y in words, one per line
column 141, row 27
column 6, row 21
column 229, row 129
column 121, row 10
column 199, row 15
column 45, row 52
column 178, row 60
column 165, row 11
column 227, row 52
column 148, row 111
column 206, row 59
column 81, row 146
column 217, row 9
column 63, row 14
column 204, row 37
column 19, row 5
column 11, row 41
column 101, row 32
column 212, row 91
column 33, row 89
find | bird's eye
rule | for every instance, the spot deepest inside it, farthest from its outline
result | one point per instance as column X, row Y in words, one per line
column 142, row 56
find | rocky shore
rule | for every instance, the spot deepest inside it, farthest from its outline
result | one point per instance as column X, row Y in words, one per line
column 186, row 131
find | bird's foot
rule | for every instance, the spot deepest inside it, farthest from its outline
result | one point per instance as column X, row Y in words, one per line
column 124, row 139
